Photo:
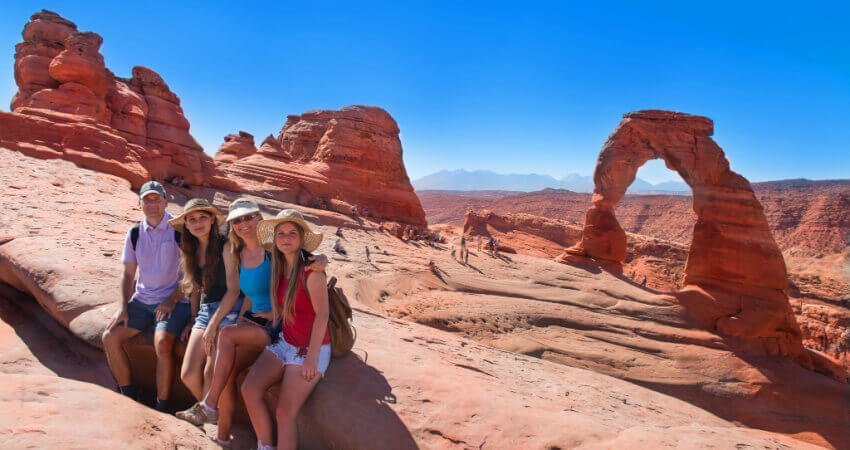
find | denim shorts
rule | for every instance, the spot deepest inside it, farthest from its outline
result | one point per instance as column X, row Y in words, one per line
column 272, row 331
column 140, row 316
column 291, row 355
column 207, row 310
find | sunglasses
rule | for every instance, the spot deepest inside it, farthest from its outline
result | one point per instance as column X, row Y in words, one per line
column 244, row 218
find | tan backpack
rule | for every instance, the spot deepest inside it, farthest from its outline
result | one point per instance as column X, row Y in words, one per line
column 341, row 330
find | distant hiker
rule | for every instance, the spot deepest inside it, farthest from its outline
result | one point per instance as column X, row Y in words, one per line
column 463, row 250
column 251, row 264
column 453, row 251
column 432, row 267
column 302, row 353
column 365, row 211
column 353, row 210
column 367, row 254
column 496, row 247
column 479, row 240
column 338, row 231
column 154, row 298
column 338, row 247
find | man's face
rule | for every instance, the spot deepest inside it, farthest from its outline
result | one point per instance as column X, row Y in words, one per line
column 153, row 206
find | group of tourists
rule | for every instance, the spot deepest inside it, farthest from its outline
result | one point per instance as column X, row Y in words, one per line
column 244, row 292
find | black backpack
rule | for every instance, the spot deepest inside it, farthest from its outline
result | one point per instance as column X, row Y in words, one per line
column 134, row 236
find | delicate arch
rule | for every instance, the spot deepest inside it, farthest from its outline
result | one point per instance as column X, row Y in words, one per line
column 732, row 241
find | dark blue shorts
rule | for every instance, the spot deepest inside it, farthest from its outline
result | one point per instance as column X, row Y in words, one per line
column 141, row 316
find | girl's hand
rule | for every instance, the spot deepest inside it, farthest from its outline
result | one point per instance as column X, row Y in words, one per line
column 186, row 330
column 309, row 370
column 210, row 335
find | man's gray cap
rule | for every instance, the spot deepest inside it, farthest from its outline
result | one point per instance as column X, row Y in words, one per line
column 152, row 187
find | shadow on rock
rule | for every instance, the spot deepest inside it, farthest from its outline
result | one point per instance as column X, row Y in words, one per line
column 352, row 408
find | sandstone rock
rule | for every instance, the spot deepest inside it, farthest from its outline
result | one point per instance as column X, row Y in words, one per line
column 416, row 401
column 129, row 112
column 235, row 146
column 62, row 77
column 332, row 159
column 82, row 63
column 735, row 274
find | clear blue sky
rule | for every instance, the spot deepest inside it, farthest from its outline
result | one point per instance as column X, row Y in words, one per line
column 512, row 87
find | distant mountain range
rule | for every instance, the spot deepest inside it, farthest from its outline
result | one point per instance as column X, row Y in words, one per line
column 484, row 180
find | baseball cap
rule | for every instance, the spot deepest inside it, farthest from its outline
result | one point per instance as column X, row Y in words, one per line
column 151, row 187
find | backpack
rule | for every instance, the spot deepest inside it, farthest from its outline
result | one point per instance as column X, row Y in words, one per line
column 134, row 236
column 341, row 330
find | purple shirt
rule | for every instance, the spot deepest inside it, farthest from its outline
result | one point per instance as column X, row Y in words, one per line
column 157, row 255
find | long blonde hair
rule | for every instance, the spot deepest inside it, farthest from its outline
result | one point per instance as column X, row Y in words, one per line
column 189, row 259
column 287, row 313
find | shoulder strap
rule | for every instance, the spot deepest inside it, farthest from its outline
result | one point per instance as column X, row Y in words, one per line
column 134, row 235
column 177, row 237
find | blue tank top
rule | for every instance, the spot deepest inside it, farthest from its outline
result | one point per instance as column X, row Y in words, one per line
column 255, row 284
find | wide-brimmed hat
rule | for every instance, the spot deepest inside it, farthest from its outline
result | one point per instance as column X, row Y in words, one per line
column 242, row 207
column 196, row 204
column 265, row 230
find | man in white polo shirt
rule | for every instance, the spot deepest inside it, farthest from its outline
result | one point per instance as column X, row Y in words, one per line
column 152, row 247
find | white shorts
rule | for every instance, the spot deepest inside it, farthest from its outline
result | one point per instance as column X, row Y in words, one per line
column 289, row 355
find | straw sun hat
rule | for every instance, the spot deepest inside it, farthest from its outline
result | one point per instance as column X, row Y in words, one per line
column 265, row 230
column 196, row 204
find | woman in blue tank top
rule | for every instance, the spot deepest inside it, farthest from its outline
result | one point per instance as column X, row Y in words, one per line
column 254, row 330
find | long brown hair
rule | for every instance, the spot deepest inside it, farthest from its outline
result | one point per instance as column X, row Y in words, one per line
column 287, row 313
column 189, row 259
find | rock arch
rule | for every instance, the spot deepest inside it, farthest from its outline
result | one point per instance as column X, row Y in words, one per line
column 735, row 273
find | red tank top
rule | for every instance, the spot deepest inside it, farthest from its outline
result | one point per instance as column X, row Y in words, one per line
column 298, row 332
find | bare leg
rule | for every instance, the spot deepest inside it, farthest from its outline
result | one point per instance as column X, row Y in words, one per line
column 245, row 356
column 242, row 335
column 163, row 344
column 294, row 390
column 266, row 371
column 113, row 346
column 192, row 372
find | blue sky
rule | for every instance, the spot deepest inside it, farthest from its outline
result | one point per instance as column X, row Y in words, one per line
column 504, row 86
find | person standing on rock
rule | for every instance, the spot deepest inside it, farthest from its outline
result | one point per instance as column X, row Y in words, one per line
column 152, row 248
column 299, row 359
column 239, row 345
column 213, row 289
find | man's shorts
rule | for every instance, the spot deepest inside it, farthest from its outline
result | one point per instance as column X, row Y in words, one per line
column 207, row 310
column 291, row 355
column 141, row 316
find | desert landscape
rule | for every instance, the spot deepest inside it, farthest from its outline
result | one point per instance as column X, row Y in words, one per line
column 718, row 319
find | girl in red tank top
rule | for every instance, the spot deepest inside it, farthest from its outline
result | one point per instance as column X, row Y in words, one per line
column 297, row 333
column 299, row 359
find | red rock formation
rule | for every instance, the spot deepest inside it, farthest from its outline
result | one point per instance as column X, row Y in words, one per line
column 70, row 106
column 235, row 146
column 735, row 274
column 333, row 160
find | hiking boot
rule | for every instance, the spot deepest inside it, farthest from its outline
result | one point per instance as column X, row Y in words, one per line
column 198, row 415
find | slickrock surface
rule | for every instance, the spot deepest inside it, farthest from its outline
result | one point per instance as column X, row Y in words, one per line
column 51, row 393
column 331, row 160
column 421, row 387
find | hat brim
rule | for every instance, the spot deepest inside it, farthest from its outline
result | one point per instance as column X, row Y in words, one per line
column 242, row 211
column 265, row 233
column 179, row 222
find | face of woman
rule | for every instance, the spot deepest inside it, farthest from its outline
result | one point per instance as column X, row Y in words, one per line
column 198, row 223
column 286, row 238
column 245, row 226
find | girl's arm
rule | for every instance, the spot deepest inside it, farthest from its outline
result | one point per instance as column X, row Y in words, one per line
column 318, row 290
